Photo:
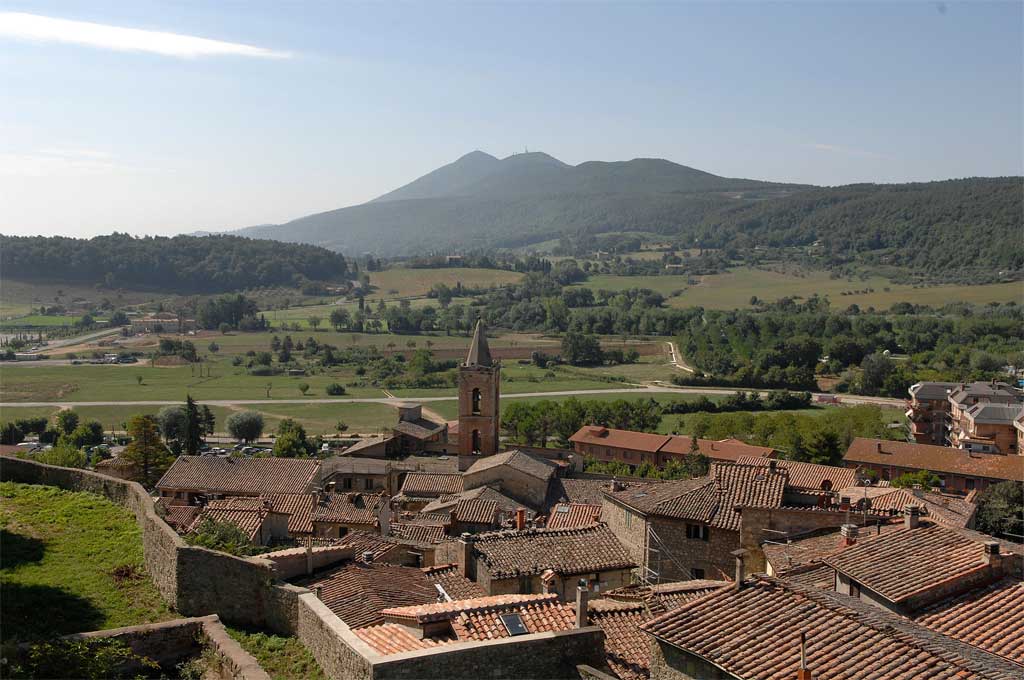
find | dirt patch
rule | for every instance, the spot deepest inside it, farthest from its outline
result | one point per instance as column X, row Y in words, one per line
column 170, row 361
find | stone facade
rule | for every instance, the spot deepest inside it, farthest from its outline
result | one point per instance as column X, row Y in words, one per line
column 479, row 397
column 526, row 489
column 672, row 663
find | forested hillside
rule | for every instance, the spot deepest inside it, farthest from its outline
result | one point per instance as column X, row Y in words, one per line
column 962, row 230
column 183, row 264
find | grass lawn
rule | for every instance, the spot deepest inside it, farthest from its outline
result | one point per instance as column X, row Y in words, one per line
column 734, row 289
column 283, row 658
column 38, row 321
column 404, row 282
column 59, row 553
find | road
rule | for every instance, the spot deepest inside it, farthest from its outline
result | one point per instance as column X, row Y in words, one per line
column 392, row 400
column 677, row 359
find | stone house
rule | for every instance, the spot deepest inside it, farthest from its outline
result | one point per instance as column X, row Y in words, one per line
column 415, row 434
column 766, row 627
column 958, row 470
column 193, row 479
column 924, row 563
column 607, row 444
column 545, row 560
column 516, row 474
column 688, row 529
column 420, row 488
column 344, row 473
column 254, row 516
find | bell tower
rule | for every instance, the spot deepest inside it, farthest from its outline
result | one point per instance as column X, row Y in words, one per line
column 479, row 381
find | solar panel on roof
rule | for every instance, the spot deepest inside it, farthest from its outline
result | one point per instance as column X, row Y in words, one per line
column 514, row 624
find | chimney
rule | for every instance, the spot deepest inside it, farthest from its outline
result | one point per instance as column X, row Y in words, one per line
column 773, row 465
column 520, row 519
column 911, row 516
column 368, row 557
column 582, row 598
column 804, row 673
column 465, row 555
column 319, row 592
column 740, row 574
column 618, row 486
column 453, row 517
column 309, row 558
column 992, row 554
column 917, row 491
column 849, row 534
column 844, row 502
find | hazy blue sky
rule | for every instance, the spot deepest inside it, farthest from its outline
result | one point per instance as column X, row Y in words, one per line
column 303, row 107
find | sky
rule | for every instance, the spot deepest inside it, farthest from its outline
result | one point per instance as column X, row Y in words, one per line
column 168, row 117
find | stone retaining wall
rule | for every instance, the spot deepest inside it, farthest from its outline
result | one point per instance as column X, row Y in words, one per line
column 171, row 642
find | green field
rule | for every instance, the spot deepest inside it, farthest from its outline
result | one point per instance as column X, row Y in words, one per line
column 403, row 282
column 735, row 288
column 301, row 315
column 283, row 658
column 57, row 565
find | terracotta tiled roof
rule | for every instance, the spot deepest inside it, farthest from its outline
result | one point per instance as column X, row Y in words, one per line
column 359, row 592
column 298, row 507
column 954, row 511
column 566, row 551
column 431, row 484
column 809, row 476
column 476, row 512
column 348, row 508
column 730, row 450
column 599, row 435
column 900, row 564
column 363, row 542
column 626, row 647
column 179, row 517
column 991, row 618
column 573, row 515
column 480, row 493
column 391, row 638
column 421, row 428
column 241, row 476
column 815, row 575
column 247, row 513
column 662, row 597
column 586, row 491
column 516, row 460
column 753, row 632
column 940, row 459
column 813, row 546
column 711, row 499
column 454, row 583
column 418, row 533
column 352, row 465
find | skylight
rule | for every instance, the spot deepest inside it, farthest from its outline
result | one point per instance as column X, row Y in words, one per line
column 514, row 624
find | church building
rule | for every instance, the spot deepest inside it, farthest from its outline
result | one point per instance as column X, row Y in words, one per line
column 479, row 387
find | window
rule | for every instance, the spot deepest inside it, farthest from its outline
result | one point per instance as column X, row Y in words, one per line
column 368, row 484
column 697, row 532
column 513, row 624
column 476, row 441
column 346, row 483
column 525, row 585
column 476, row 401
column 629, row 519
column 697, row 573
column 969, row 484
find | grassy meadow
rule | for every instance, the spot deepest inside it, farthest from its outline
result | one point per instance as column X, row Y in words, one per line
column 405, row 282
column 58, row 560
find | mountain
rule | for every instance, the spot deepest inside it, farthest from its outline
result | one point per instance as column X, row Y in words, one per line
column 481, row 201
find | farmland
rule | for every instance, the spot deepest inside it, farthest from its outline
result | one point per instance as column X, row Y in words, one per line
column 403, row 282
column 735, row 288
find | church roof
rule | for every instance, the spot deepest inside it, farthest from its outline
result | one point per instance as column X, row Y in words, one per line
column 479, row 352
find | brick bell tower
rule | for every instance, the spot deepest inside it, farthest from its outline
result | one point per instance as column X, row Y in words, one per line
column 479, row 381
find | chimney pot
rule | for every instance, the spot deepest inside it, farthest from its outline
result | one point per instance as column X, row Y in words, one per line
column 368, row 556
column 849, row 533
column 773, row 465
column 992, row 554
column 740, row 575
column 520, row 519
column 582, row 600
column 911, row 516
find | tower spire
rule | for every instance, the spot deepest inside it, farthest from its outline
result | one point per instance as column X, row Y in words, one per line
column 479, row 352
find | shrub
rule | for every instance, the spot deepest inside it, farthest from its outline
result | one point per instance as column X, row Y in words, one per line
column 95, row 659
column 222, row 536
column 335, row 389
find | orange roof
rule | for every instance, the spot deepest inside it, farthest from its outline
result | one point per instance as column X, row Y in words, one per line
column 431, row 484
column 991, row 618
column 241, row 476
column 622, row 439
column 809, row 476
column 724, row 449
column 754, row 631
column 939, row 459
column 573, row 515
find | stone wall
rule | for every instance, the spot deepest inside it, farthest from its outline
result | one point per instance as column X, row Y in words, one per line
column 671, row 663
column 193, row 580
column 539, row 656
column 293, row 562
column 629, row 527
column 678, row 555
column 760, row 524
column 331, row 642
column 172, row 642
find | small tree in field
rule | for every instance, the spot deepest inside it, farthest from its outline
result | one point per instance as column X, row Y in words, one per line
column 303, row 387
column 146, row 451
column 314, row 322
column 247, row 425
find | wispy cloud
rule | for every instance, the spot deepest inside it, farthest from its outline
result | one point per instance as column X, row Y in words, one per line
column 846, row 151
column 103, row 36
column 53, row 162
